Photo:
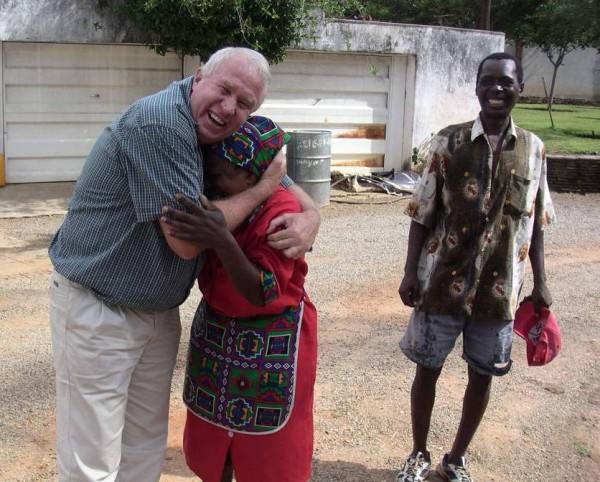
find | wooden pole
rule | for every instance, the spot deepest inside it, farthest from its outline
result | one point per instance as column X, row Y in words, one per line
column 486, row 12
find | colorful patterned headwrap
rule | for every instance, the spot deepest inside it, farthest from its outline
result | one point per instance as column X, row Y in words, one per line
column 254, row 145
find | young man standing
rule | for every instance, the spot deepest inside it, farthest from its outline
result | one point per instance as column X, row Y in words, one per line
column 477, row 214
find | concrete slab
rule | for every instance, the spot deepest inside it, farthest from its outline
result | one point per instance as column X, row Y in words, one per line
column 36, row 199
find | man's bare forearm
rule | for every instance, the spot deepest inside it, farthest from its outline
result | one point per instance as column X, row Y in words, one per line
column 237, row 208
column 536, row 256
column 416, row 238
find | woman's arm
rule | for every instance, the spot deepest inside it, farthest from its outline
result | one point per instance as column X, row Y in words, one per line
column 235, row 210
column 207, row 227
column 244, row 276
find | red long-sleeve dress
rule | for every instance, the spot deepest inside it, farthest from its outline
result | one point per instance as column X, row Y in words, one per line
column 251, row 370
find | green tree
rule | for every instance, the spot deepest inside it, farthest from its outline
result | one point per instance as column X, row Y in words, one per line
column 199, row 27
column 558, row 27
column 448, row 13
column 513, row 16
column 505, row 15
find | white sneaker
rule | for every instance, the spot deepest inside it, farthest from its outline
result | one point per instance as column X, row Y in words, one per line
column 415, row 469
column 454, row 472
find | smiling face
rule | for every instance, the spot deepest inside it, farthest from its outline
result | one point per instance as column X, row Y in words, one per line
column 221, row 101
column 498, row 88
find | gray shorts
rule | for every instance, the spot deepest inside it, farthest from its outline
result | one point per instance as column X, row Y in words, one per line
column 429, row 339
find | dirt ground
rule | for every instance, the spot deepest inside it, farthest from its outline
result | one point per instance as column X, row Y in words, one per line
column 542, row 423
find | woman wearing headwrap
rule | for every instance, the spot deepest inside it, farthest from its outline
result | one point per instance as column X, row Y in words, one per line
column 251, row 366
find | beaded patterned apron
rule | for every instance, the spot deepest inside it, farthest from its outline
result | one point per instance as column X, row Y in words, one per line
column 241, row 372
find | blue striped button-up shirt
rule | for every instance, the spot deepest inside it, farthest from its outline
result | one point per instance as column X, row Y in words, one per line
column 110, row 241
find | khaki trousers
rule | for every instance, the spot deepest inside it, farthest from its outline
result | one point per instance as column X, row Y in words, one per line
column 113, row 380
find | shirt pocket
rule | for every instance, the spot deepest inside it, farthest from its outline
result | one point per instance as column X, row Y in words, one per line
column 516, row 202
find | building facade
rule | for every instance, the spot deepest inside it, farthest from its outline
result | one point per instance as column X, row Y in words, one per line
column 380, row 88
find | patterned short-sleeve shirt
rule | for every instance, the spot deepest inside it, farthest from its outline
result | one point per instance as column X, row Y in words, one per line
column 474, row 259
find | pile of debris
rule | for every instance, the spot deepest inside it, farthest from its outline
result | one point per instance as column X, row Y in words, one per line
column 390, row 182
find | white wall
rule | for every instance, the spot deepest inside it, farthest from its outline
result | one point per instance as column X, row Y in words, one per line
column 577, row 78
column 60, row 21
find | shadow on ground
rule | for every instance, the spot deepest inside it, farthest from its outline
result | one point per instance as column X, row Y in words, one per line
column 343, row 471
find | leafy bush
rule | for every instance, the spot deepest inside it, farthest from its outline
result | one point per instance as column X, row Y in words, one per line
column 199, row 27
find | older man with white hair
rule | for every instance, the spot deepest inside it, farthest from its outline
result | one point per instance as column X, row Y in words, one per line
column 118, row 280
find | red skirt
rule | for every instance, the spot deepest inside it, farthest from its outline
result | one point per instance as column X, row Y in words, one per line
column 282, row 456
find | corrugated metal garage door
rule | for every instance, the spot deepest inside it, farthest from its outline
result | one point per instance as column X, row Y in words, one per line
column 362, row 99
column 58, row 98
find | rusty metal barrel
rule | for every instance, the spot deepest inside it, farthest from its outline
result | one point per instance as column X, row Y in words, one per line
column 309, row 163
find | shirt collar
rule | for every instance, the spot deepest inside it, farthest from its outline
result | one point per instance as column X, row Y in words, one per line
column 477, row 129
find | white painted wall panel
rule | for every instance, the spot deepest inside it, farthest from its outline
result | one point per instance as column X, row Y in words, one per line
column 73, row 56
column 366, row 99
column 349, row 95
column 301, row 116
column 59, row 97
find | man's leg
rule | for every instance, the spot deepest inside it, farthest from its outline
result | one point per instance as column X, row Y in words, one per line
column 94, row 357
column 477, row 395
column 422, row 399
column 486, row 348
column 147, row 414
column 427, row 341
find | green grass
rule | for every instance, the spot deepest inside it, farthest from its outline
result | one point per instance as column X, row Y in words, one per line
column 576, row 128
column 582, row 449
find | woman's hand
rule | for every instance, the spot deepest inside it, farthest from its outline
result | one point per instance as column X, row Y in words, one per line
column 203, row 224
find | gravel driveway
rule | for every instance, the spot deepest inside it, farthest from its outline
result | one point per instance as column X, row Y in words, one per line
column 542, row 423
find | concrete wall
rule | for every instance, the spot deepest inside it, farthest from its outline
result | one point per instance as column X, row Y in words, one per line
column 60, row 21
column 577, row 78
column 446, row 64
column 446, row 59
